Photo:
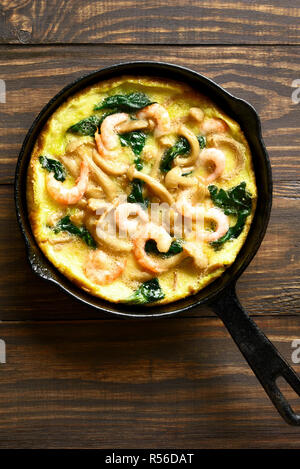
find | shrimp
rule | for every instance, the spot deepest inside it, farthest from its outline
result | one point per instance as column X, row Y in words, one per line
column 62, row 194
column 163, row 240
column 100, row 147
column 213, row 125
column 109, row 135
column 160, row 116
column 220, row 219
column 199, row 213
column 235, row 148
column 215, row 156
column 102, row 269
column 185, row 200
column 122, row 213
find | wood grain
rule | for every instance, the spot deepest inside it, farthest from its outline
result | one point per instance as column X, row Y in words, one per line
column 270, row 285
column 261, row 75
column 176, row 383
column 150, row 22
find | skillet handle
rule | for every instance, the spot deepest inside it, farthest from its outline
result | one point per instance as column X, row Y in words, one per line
column 260, row 353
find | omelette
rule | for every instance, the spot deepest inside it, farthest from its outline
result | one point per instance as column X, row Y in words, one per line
column 141, row 190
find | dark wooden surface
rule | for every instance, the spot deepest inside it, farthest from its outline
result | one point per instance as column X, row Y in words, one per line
column 76, row 379
column 150, row 21
column 132, row 384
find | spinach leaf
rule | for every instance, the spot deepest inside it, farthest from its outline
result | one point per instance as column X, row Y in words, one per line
column 55, row 166
column 202, row 141
column 236, row 201
column 89, row 125
column 175, row 248
column 86, row 126
column 181, row 147
column 233, row 231
column 233, row 200
column 136, row 195
column 131, row 102
column 147, row 293
column 65, row 224
column 136, row 140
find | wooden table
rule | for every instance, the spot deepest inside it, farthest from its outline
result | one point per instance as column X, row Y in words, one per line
column 75, row 379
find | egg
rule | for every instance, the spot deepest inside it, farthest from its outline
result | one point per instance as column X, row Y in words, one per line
column 122, row 271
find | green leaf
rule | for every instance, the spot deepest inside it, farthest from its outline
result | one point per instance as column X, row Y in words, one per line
column 147, row 293
column 65, row 224
column 86, row 126
column 202, row 141
column 233, row 231
column 54, row 166
column 136, row 196
column 89, row 125
column 236, row 201
column 233, row 200
column 131, row 102
column 136, row 140
column 181, row 147
column 175, row 248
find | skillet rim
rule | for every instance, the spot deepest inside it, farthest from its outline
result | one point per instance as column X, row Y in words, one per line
column 40, row 264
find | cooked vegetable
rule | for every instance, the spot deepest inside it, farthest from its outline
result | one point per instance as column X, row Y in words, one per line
column 233, row 200
column 54, row 166
column 181, row 147
column 147, row 293
column 202, row 141
column 120, row 219
column 136, row 140
column 175, row 248
column 89, row 125
column 136, row 196
column 131, row 102
column 86, row 126
column 236, row 201
column 65, row 224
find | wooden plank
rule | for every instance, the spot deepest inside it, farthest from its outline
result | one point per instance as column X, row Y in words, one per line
column 261, row 75
column 270, row 285
column 150, row 22
column 174, row 383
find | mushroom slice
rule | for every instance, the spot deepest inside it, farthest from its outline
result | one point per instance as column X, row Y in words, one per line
column 195, row 148
column 99, row 176
column 194, row 250
column 238, row 149
column 154, row 185
column 131, row 125
column 113, row 167
column 175, row 178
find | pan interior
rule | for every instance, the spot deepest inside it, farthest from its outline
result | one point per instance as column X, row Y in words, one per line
column 239, row 110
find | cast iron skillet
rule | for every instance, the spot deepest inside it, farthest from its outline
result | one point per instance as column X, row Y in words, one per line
column 261, row 355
